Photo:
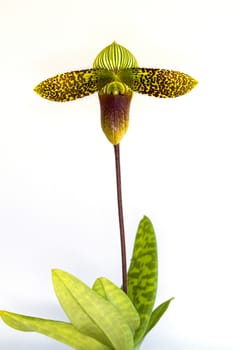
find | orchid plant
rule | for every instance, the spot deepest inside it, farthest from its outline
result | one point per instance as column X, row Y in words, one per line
column 106, row 316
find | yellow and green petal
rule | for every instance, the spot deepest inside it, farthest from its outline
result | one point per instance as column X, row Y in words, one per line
column 157, row 82
column 69, row 86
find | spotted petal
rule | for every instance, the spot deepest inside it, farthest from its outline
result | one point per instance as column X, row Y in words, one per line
column 157, row 82
column 73, row 85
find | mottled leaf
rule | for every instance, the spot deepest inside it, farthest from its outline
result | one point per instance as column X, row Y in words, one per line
column 157, row 314
column 157, row 82
column 142, row 275
column 90, row 313
column 61, row 331
column 119, row 299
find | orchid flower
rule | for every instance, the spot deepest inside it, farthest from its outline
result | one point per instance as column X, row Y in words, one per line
column 115, row 75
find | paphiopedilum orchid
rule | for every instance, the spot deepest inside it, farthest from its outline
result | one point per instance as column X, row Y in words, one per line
column 104, row 317
column 115, row 75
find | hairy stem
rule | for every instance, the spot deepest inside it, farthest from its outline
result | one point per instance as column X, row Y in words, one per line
column 121, row 217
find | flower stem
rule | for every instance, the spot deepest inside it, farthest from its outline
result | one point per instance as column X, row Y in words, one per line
column 121, row 217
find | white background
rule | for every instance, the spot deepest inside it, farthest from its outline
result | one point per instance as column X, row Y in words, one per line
column 57, row 182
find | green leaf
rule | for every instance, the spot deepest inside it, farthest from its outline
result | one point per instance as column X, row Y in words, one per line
column 143, row 274
column 119, row 299
column 90, row 313
column 157, row 314
column 61, row 331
